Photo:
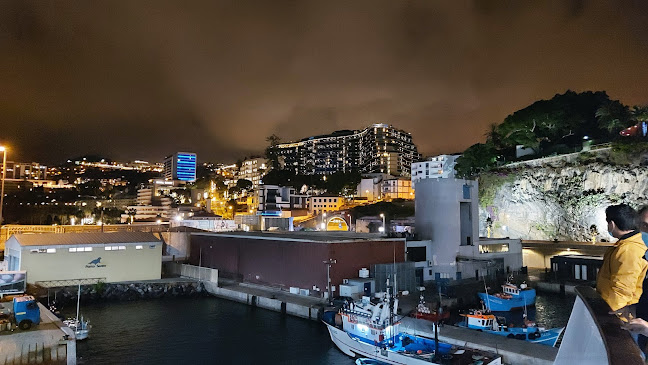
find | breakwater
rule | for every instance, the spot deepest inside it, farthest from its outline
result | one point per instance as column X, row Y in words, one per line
column 125, row 291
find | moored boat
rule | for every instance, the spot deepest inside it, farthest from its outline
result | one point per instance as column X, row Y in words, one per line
column 369, row 330
column 487, row 322
column 423, row 311
column 511, row 297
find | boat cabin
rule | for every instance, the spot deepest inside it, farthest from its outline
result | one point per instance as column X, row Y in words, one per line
column 370, row 322
column 481, row 321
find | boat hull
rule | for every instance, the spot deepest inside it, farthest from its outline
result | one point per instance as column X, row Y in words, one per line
column 355, row 348
column 497, row 304
column 545, row 337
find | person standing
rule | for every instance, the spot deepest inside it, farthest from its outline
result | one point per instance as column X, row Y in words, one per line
column 620, row 279
column 642, row 306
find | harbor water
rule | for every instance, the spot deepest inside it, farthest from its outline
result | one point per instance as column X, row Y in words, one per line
column 216, row 331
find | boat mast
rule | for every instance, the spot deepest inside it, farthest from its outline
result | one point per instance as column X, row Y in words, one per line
column 78, row 299
column 486, row 289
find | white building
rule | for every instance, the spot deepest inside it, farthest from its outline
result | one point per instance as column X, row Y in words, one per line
column 324, row 203
column 273, row 198
column 447, row 227
column 397, row 188
column 253, row 169
column 437, row 167
column 111, row 257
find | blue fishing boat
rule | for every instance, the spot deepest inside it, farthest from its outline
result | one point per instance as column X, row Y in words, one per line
column 487, row 322
column 369, row 330
column 512, row 296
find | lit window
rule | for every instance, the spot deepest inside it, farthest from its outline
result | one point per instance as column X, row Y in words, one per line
column 122, row 247
column 51, row 250
column 139, row 247
column 87, row 249
column 72, row 249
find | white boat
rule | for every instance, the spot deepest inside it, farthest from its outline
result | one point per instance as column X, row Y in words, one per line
column 368, row 330
column 80, row 327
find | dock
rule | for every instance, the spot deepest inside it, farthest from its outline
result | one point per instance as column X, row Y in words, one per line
column 49, row 342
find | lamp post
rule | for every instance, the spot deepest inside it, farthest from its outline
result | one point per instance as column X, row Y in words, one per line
column 328, row 263
column 382, row 229
column 4, row 173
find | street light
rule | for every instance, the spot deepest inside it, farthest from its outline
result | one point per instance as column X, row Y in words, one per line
column 382, row 229
column 328, row 263
column 4, row 173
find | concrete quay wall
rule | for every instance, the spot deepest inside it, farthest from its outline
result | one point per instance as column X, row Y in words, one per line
column 265, row 301
column 512, row 351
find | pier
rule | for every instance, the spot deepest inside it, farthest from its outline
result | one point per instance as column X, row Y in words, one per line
column 49, row 342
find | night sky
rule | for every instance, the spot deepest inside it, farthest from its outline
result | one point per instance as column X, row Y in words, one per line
column 142, row 79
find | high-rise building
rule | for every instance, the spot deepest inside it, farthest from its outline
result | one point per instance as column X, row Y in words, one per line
column 379, row 148
column 437, row 167
column 180, row 166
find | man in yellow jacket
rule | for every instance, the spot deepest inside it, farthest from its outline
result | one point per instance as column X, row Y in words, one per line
column 624, row 267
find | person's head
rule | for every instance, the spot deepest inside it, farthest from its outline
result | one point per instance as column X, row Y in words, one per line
column 642, row 219
column 621, row 219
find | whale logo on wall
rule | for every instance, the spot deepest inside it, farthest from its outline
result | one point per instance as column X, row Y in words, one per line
column 95, row 263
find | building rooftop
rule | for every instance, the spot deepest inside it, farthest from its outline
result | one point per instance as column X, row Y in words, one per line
column 306, row 236
column 50, row 239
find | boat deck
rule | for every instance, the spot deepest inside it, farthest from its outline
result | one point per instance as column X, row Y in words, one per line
column 424, row 349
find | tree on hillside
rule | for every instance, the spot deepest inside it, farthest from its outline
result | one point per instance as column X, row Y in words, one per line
column 476, row 159
column 613, row 116
column 271, row 152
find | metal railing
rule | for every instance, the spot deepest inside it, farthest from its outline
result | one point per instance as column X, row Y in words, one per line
column 69, row 282
column 594, row 336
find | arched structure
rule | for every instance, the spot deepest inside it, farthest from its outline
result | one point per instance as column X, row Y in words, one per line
column 337, row 223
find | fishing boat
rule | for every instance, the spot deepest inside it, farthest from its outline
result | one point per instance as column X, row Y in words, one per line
column 423, row 311
column 80, row 327
column 511, row 297
column 487, row 322
column 370, row 330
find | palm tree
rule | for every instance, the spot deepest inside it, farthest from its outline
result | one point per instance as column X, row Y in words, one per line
column 612, row 116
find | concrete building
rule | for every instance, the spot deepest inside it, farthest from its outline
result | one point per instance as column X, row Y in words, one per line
column 448, row 245
column 378, row 148
column 26, row 170
column 324, row 203
column 295, row 259
column 180, row 166
column 111, row 257
column 276, row 199
column 397, row 188
column 437, row 167
column 253, row 169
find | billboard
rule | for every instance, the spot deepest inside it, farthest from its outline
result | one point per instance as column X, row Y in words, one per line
column 12, row 282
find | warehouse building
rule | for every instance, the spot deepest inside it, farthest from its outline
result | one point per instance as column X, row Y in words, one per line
column 294, row 260
column 111, row 257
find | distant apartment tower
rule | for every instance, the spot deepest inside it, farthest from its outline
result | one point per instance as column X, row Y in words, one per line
column 437, row 167
column 180, row 166
column 253, row 169
column 379, row 148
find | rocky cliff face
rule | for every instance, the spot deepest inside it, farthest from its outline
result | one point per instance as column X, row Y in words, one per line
column 559, row 202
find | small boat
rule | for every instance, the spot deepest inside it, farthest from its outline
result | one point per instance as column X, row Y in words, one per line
column 487, row 322
column 511, row 297
column 81, row 327
column 369, row 330
column 423, row 311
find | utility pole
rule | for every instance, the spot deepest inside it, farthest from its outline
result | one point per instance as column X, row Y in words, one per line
column 328, row 263
column 4, row 173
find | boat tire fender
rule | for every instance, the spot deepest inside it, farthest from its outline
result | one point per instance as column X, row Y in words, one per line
column 25, row 324
column 510, row 335
column 533, row 335
column 520, row 336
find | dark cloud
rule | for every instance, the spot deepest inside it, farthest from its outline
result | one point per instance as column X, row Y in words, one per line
column 141, row 79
